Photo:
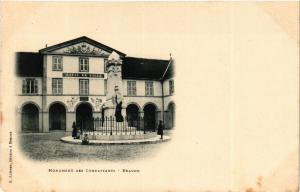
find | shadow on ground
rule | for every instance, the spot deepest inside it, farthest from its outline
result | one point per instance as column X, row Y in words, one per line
column 48, row 147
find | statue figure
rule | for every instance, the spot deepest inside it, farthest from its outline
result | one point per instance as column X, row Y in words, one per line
column 114, row 97
column 118, row 102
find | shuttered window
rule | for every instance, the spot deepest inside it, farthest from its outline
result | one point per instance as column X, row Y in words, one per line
column 149, row 88
column 83, row 86
column 131, row 88
column 57, row 86
column 30, row 86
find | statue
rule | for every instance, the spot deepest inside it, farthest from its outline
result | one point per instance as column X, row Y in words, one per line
column 114, row 98
column 118, row 102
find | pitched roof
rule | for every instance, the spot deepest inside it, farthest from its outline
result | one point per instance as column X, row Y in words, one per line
column 141, row 68
column 29, row 64
column 79, row 40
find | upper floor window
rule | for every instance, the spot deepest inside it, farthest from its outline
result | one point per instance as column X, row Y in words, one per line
column 57, row 63
column 83, row 86
column 171, row 87
column 30, row 86
column 149, row 88
column 83, row 64
column 131, row 88
column 57, row 86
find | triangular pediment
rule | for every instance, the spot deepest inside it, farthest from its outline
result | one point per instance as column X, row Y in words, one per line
column 81, row 49
column 81, row 46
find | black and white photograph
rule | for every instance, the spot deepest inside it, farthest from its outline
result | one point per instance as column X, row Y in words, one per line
column 91, row 94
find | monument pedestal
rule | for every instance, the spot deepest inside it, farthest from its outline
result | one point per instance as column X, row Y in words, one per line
column 109, row 112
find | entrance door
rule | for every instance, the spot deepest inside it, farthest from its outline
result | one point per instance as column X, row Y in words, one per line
column 171, row 115
column 149, row 116
column 30, row 118
column 57, row 117
column 132, row 112
column 84, row 115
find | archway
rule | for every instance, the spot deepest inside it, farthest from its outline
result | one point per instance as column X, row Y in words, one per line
column 132, row 113
column 30, row 118
column 149, row 116
column 57, row 117
column 84, row 115
column 171, row 115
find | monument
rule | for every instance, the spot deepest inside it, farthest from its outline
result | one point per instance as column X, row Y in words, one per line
column 114, row 103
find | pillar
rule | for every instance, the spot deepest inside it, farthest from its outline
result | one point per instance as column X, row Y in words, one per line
column 70, row 118
column 45, row 118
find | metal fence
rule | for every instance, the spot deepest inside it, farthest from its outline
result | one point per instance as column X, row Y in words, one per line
column 109, row 126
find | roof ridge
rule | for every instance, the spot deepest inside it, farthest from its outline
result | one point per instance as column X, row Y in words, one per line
column 70, row 42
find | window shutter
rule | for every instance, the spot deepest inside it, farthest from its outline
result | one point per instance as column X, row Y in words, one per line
column 24, row 86
column 35, row 86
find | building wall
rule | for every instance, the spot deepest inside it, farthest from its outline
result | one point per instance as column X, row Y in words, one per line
column 142, row 101
column 19, row 84
column 166, row 86
column 70, row 98
column 140, row 87
column 71, row 84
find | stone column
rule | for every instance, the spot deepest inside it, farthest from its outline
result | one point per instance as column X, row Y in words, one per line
column 40, row 121
column 70, row 118
column 45, row 117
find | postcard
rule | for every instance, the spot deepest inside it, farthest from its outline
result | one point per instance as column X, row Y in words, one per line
column 149, row 96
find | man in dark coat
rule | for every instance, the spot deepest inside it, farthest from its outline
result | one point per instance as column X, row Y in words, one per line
column 160, row 129
column 74, row 132
column 118, row 112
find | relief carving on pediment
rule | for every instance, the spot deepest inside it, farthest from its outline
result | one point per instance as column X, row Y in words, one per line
column 84, row 49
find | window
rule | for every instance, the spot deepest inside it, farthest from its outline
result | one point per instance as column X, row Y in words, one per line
column 83, row 64
column 149, row 88
column 30, row 86
column 171, row 87
column 57, row 63
column 57, row 86
column 105, row 86
column 105, row 65
column 131, row 88
column 83, row 86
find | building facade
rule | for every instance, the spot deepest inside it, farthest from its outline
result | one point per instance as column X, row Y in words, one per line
column 67, row 83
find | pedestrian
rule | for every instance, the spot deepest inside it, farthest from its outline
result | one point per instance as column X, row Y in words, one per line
column 85, row 140
column 160, row 129
column 74, row 132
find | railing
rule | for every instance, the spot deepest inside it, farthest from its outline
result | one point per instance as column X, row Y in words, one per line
column 109, row 126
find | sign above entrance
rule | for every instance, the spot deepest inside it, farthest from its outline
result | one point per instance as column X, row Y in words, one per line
column 84, row 98
column 92, row 75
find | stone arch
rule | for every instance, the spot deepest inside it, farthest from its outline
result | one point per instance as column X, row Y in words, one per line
column 150, row 116
column 150, row 103
column 29, row 102
column 84, row 115
column 170, row 104
column 57, row 102
column 84, row 102
column 132, row 114
column 134, row 103
column 170, row 115
column 30, row 117
column 57, row 116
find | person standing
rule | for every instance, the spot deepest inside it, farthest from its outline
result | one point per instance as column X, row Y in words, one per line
column 160, row 130
column 74, row 132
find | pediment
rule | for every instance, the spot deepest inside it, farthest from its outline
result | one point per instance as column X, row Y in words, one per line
column 81, row 46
